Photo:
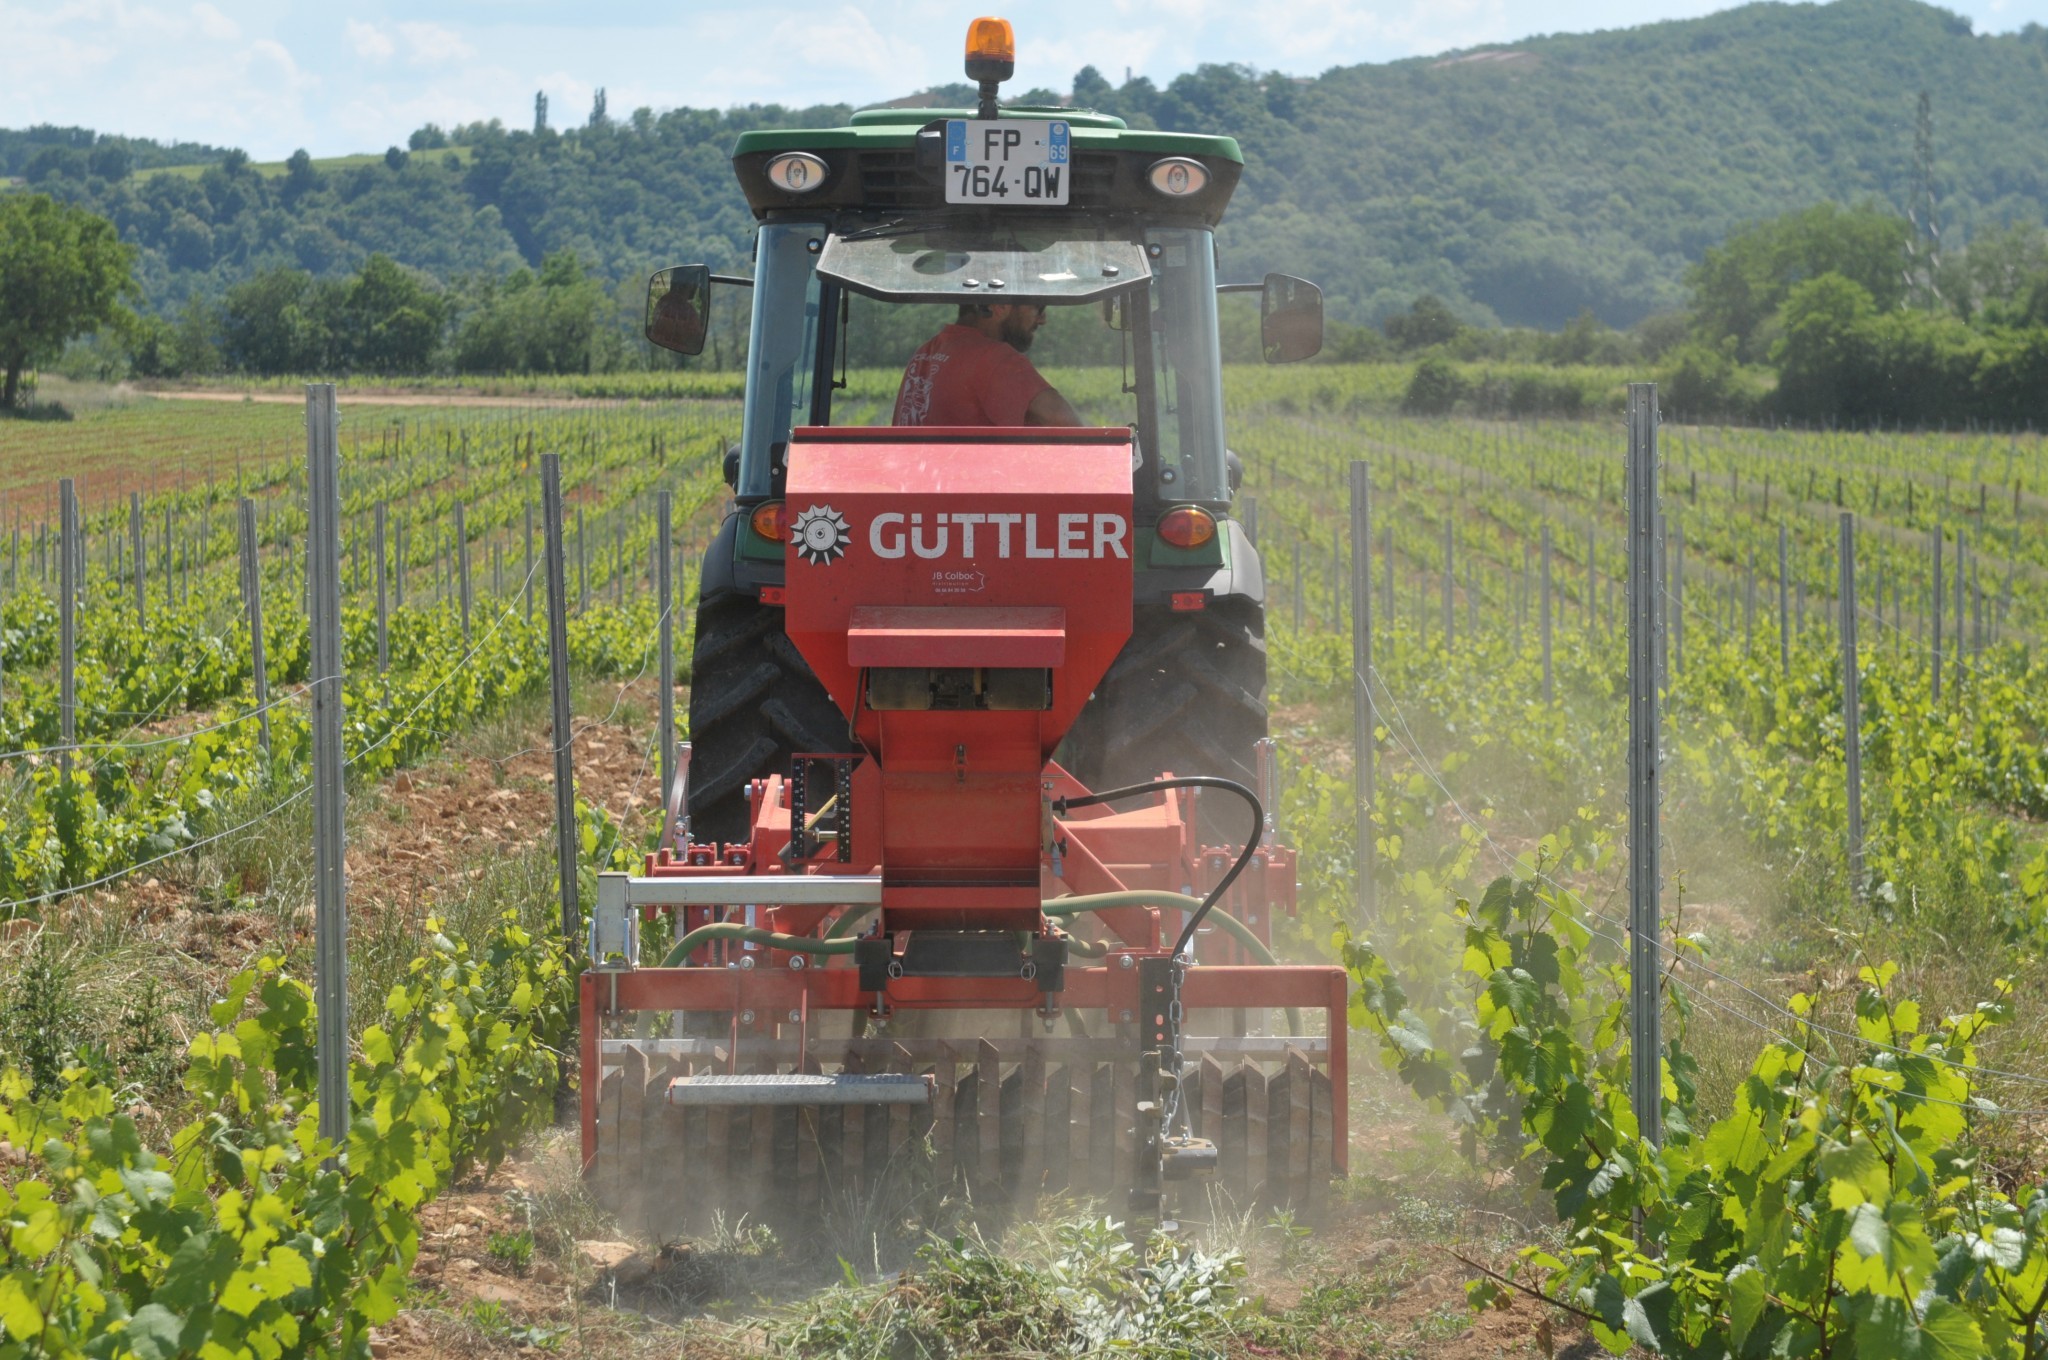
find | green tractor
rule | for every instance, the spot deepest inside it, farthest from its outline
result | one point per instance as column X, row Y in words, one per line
column 1054, row 206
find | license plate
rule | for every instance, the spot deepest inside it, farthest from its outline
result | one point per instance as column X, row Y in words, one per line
column 1010, row 161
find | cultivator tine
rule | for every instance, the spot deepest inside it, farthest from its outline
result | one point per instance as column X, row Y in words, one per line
column 1080, row 1128
column 808, row 1122
column 610, row 1152
column 675, row 1142
column 1322, row 1128
column 944, row 1092
column 1122, row 1114
column 712, row 1130
column 761, row 1177
column 1299, row 1122
column 1206, row 1101
column 988, row 1089
column 633, row 1141
column 853, row 1123
column 1257, row 1135
column 1031, row 1166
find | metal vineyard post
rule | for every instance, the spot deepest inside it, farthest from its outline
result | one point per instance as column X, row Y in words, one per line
column 558, row 688
column 1645, row 758
column 330, row 911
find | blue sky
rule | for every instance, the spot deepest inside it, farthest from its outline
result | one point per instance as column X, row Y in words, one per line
column 271, row 77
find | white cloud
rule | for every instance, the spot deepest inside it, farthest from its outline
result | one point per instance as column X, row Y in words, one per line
column 432, row 44
column 214, row 24
column 370, row 41
column 844, row 41
column 275, row 55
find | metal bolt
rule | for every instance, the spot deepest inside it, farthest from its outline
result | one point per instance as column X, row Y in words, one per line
column 1126, row 1017
column 746, row 1017
column 1126, row 961
column 796, row 961
column 795, row 1016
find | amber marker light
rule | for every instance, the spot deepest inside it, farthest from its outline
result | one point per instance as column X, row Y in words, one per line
column 1187, row 527
column 768, row 522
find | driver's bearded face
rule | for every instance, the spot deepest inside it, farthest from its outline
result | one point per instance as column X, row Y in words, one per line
column 1020, row 325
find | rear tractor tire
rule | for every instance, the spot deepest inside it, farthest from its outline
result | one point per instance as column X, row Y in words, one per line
column 753, row 704
column 1186, row 694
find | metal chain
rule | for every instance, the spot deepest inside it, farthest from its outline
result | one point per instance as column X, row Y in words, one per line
column 1175, row 1015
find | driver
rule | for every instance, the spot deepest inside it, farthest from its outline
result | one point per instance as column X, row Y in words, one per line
column 974, row 372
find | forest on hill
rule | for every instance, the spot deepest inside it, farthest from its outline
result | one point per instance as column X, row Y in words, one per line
column 1522, row 184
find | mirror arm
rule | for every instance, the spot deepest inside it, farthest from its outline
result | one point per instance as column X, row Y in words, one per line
column 1240, row 288
column 734, row 279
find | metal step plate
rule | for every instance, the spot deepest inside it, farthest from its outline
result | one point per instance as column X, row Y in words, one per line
column 846, row 1088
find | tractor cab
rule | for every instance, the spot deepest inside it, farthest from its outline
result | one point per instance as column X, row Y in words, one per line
column 873, row 236
column 1121, row 225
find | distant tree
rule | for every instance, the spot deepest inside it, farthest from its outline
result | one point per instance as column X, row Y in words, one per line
column 111, row 161
column 540, row 111
column 235, row 162
column 598, row 117
column 63, row 273
column 1824, row 354
column 1998, row 275
column 1739, row 284
column 300, row 178
column 390, row 320
column 275, row 323
column 395, row 159
column 1700, row 380
column 534, row 323
column 428, row 138
column 1434, row 389
column 57, row 162
column 1430, row 321
column 1091, row 90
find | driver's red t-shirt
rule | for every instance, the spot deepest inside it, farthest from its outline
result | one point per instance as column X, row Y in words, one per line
column 961, row 377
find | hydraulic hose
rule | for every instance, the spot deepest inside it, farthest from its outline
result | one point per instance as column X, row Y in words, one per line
column 735, row 930
column 1193, row 781
column 1075, row 906
column 838, row 940
column 1159, row 897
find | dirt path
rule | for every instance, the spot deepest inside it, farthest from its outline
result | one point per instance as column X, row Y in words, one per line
column 373, row 396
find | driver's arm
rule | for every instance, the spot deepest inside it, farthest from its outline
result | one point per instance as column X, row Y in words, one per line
column 1050, row 408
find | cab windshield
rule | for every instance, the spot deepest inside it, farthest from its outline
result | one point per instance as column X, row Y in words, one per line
column 837, row 315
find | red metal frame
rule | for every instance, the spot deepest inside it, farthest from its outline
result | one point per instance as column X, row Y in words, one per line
column 974, row 552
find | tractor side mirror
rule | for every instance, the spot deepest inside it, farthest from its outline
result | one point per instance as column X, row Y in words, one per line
column 1116, row 311
column 1290, row 319
column 679, row 308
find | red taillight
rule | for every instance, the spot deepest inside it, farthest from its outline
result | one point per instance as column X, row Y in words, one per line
column 1187, row 527
column 767, row 521
column 773, row 594
column 1187, row 601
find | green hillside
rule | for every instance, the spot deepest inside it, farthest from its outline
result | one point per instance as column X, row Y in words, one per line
column 1522, row 183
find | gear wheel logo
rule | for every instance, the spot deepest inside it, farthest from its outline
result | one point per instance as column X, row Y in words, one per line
column 820, row 535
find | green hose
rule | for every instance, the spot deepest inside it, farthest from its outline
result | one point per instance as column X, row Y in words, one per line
column 848, row 919
column 735, row 930
column 836, row 941
column 837, row 938
column 1159, row 897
